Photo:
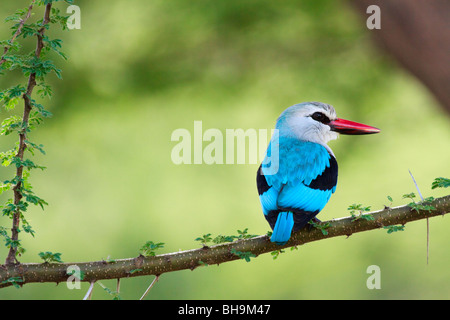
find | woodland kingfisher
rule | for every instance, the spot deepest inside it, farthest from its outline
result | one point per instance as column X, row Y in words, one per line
column 299, row 172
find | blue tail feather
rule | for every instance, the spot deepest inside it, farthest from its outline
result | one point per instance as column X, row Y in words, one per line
column 283, row 228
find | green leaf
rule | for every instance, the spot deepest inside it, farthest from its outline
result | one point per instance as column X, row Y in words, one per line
column 321, row 226
column 10, row 97
column 41, row 110
column 223, row 239
column 201, row 263
column 27, row 228
column 17, row 16
column 204, row 239
column 50, row 257
column 134, row 271
column 246, row 255
column 275, row 254
column 45, row 90
column 440, row 183
column 421, row 207
column 27, row 163
column 33, row 146
column 411, row 196
column 15, row 281
column 359, row 208
column 55, row 45
column 10, row 243
column 394, row 228
column 11, row 124
column 244, row 234
column 149, row 248
column 39, row 67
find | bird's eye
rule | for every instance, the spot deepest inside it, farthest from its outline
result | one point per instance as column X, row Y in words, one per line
column 319, row 116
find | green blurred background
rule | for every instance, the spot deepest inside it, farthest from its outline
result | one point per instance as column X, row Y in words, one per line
column 140, row 69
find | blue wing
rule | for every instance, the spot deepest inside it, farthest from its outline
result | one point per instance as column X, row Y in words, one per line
column 304, row 179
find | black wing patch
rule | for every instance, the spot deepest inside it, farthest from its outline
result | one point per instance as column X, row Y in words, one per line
column 301, row 217
column 328, row 179
column 261, row 182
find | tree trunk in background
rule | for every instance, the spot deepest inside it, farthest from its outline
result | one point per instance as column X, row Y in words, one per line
column 417, row 35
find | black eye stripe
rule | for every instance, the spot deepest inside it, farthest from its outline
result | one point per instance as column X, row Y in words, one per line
column 319, row 116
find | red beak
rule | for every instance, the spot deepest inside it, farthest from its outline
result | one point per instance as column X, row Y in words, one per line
column 350, row 127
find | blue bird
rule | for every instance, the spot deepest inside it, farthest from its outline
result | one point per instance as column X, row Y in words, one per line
column 299, row 172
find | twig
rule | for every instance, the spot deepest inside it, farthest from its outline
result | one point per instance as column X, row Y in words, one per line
column 149, row 287
column 89, row 292
column 17, row 33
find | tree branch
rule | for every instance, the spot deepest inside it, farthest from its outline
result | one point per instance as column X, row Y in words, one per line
column 191, row 259
column 17, row 33
column 11, row 258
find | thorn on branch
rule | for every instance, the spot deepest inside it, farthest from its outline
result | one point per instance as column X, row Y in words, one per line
column 89, row 292
column 150, row 286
